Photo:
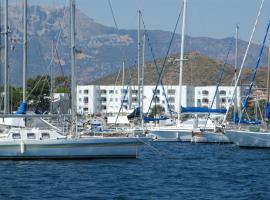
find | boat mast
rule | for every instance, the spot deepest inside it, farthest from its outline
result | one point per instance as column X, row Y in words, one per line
column 51, row 78
column 181, row 62
column 73, row 70
column 143, row 65
column 123, row 75
column 24, row 48
column 139, row 50
column 236, row 114
column 6, row 98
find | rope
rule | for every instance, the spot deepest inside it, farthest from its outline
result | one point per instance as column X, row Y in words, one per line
column 165, row 60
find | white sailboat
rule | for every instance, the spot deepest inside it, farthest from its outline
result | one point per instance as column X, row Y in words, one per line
column 37, row 143
column 182, row 131
column 254, row 137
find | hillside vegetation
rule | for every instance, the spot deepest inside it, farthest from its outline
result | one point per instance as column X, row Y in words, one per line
column 198, row 70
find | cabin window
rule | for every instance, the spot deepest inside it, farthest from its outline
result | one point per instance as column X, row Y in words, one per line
column 45, row 135
column 16, row 135
column 31, row 136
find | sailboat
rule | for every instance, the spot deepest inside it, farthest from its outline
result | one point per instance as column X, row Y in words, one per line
column 182, row 131
column 254, row 136
column 48, row 143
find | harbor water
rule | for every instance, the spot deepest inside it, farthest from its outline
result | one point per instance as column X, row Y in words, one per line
column 171, row 171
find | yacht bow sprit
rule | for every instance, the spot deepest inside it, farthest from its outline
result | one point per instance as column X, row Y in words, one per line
column 35, row 142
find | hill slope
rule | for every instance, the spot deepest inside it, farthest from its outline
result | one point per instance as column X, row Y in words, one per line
column 199, row 70
column 101, row 49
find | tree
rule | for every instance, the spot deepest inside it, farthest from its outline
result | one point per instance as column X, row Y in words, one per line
column 156, row 110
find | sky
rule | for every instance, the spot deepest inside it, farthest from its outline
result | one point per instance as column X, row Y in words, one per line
column 210, row 18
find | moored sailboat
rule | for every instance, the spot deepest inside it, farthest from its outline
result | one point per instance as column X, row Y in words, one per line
column 48, row 143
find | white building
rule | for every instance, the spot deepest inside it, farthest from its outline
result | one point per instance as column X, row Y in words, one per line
column 204, row 96
column 93, row 99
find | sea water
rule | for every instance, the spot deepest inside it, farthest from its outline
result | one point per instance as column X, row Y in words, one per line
column 164, row 171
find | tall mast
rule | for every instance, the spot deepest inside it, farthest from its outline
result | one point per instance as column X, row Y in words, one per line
column 143, row 65
column 51, row 78
column 6, row 98
column 139, row 50
column 235, row 74
column 73, row 70
column 123, row 75
column 181, row 62
column 24, row 48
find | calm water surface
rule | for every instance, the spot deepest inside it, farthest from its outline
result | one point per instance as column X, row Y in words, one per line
column 179, row 171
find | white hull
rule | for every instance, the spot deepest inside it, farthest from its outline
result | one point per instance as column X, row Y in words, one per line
column 169, row 135
column 249, row 139
column 70, row 148
column 210, row 137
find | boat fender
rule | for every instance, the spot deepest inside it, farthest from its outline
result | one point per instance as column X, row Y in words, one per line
column 22, row 147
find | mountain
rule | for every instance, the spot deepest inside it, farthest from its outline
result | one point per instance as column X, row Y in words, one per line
column 100, row 49
column 198, row 70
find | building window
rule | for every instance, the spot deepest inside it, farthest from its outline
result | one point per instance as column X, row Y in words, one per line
column 85, row 109
column 222, row 92
column 80, row 91
column 103, row 92
column 124, row 91
column 103, row 99
column 134, row 91
column 205, row 92
column 171, row 91
column 157, row 92
column 85, row 91
column 116, row 91
column 198, row 101
column 205, row 100
column 223, row 100
column 134, row 99
column 103, row 107
column 80, row 99
column 116, row 100
column 111, row 92
column 111, row 99
column 199, row 92
column 85, row 100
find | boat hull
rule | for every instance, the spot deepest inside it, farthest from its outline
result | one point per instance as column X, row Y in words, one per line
column 78, row 148
column 210, row 137
column 249, row 139
column 173, row 135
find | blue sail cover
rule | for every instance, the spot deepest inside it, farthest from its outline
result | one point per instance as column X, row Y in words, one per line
column 202, row 110
column 22, row 108
column 267, row 110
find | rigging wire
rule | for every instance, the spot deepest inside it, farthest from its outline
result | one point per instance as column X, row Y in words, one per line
column 165, row 59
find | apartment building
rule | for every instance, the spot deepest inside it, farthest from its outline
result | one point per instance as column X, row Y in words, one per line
column 94, row 99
